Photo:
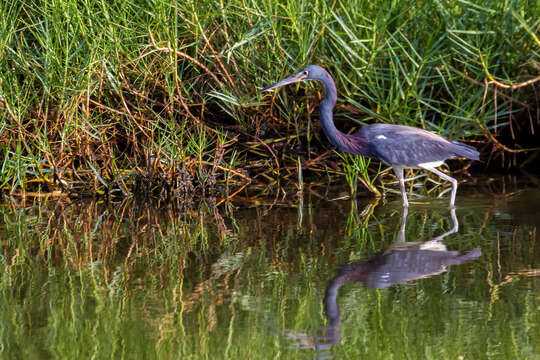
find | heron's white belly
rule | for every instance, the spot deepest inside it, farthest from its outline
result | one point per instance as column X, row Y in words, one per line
column 429, row 165
column 432, row 164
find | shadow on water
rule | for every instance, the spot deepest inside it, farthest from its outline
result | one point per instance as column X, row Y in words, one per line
column 400, row 263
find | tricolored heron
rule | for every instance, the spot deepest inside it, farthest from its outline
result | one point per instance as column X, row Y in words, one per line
column 398, row 146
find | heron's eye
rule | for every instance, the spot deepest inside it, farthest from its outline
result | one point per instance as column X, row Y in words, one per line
column 305, row 74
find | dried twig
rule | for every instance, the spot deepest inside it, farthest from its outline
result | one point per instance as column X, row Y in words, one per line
column 514, row 86
column 181, row 54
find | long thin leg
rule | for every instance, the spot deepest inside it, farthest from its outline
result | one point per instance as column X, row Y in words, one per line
column 447, row 178
column 455, row 226
column 399, row 174
column 401, row 233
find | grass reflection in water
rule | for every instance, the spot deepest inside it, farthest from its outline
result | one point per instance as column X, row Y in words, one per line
column 133, row 280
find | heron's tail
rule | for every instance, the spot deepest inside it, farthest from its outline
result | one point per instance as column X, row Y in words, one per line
column 467, row 151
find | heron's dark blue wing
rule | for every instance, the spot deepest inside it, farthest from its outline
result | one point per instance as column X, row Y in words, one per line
column 408, row 152
column 407, row 146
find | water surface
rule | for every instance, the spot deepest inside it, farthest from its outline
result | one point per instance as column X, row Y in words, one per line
column 305, row 278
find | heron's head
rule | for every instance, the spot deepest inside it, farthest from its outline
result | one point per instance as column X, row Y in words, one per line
column 310, row 72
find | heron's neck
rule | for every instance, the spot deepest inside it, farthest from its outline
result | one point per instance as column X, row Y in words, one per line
column 326, row 110
column 336, row 137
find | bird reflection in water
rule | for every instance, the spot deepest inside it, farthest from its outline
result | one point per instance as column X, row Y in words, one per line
column 400, row 263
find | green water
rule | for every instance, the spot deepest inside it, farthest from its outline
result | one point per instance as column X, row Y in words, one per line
column 137, row 280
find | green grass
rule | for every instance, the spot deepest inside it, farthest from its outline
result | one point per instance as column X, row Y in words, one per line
column 93, row 92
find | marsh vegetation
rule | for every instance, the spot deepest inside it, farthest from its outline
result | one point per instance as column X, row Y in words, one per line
column 159, row 97
column 154, row 205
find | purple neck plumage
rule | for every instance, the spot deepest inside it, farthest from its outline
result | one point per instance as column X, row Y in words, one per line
column 355, row 143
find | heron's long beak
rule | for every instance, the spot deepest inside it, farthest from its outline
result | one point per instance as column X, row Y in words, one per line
column 290, row 80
